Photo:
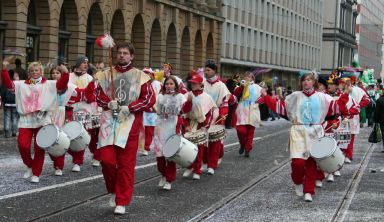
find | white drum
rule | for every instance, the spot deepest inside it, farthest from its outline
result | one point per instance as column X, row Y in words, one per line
column 77, row 134
column 328, row 156
column 53, row 140
column 180, row 150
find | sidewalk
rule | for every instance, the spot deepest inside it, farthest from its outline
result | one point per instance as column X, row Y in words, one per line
column 274, row 198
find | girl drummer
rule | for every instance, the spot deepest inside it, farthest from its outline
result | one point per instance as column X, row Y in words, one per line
column 307, row 109
column 198, row 112
column 168, row 107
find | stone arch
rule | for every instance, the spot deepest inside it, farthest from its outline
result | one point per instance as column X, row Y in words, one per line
column 171, row 52
column 185, row 57
column 198, row 63
column 118, row 29
column 95, row 28
column 209, row 49
column 138, row 40
column 156, row 45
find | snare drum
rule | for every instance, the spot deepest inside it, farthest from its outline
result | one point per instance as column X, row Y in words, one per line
column 216, row 133
column 197, row 137
column 84, row 118
column 328, row 156
column 343, row 139
column 180, row 150
column 77, row 134
column 95, row 121
column 52, row 139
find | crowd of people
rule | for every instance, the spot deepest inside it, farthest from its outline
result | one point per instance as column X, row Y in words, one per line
column 118, row 107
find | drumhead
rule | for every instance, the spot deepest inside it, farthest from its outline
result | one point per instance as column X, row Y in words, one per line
column 73, row 129
column 47, row 136
column 323, row 147
column 172, row 146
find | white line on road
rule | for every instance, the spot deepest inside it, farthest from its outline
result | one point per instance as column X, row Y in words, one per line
column 100, row 175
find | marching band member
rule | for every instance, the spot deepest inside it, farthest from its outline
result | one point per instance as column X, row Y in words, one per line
column 307, row 109
column 220, row 94
column 121, row 121
column 35, row 97
column 362, row 99
column 168, row 106
column 198, row 112
column 150, row 116
column 248, row 93
column 168, row 68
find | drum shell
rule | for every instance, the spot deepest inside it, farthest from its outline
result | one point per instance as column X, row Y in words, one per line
column 80, row 141
column 216, row 132
column 61, row 146
column 332, row 162
column 197, row 137
column 186, row 152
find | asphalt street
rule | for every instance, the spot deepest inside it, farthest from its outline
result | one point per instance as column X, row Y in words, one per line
column 243, row 189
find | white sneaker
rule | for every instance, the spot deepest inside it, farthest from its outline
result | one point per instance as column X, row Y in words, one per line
column 210, row 171
column 111, row 201
column 95, row 163
column 204, row 168
column 167, row 186
column 35, row 179
column 58, row 172
column 347, row 160
column 162, row 182
column 308, row 197
column 319, row 183
column 330, row 178
column 196, row 176
column 337, row 173
column 120, row 210
column 187, row 173
column 219, row 161
column 27, row 173
column 299, row 190
column 144, row 153
column 76, row 168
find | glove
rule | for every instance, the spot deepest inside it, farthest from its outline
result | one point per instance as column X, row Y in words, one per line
column 113, row 105
column 124, row 112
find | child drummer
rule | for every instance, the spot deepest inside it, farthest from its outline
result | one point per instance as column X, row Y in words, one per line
column 198, row 112
column 169, row 121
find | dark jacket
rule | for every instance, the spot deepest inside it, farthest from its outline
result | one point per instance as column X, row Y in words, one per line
column 6, row 96
column 379, row 111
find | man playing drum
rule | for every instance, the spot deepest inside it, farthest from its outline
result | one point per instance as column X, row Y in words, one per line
column 35, row 98
column 220, row 94
column 307, row 109
column 121, row 121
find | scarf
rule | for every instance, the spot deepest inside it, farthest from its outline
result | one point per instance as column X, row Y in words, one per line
column 123, row 68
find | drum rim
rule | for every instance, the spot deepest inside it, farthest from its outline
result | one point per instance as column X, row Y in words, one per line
column 55, row 141
column 328, row 154
column 81, row 132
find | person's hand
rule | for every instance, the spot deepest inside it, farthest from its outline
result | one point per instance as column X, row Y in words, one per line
column 190, row 97
column 6, row 61
column 113, row 105
column 62, row 69
column 124, row 112
column 334, row 126
column 263, row 92
column 188, row 129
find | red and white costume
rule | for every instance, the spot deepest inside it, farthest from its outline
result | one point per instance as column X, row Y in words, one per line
column 118, row 138
column 307, row 111
column 34, row 101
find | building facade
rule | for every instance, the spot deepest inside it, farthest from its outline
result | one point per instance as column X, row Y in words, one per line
column 282, row 35
column 181, row 32
column 369, row 34
column 339, row 34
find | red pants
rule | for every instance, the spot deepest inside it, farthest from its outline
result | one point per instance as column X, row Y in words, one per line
column 304, row 172
column 166, row 168
column 94, row 133
column 118, row 167
column 349, row 151
column 58, row 162
column 149, row 132
column 319, row 174
column 221, row 150
column 196, row 165
column 245, row 135
column 212, row 154
column 24, row 141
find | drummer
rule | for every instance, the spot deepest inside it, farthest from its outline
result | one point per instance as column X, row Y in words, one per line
column 33, row 112
column 307, row 109
column 220, row 94
column 198, row 112
column 169, row 121
column 248, row 94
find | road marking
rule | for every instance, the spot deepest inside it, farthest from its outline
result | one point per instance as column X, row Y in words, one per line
column 101, row 175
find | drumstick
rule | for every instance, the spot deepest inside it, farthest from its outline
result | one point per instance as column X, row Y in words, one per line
column 222, row 118
column 331, row 126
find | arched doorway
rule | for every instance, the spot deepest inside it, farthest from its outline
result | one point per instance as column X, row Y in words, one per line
column 118, row 28
column 155, row 57
column 185, row 52
column 68, row 31
column 171, row 47
column 94, row 30
column 210, row 53
column 33, row 33
column 138, row 40
column 198, row 50
column 3, row 26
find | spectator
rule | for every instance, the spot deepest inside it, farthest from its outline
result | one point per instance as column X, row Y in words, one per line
column 20, row 71
column 11, row 117
column 379, row 116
